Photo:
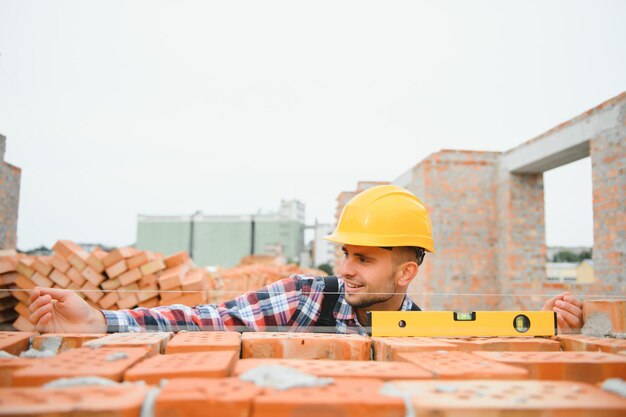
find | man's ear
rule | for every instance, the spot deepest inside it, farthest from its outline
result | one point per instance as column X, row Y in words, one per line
column 406, row 272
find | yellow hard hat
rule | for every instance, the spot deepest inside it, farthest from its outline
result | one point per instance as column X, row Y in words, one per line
column 384, row 216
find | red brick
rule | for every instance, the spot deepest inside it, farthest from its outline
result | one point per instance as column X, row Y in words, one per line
column 591, row 367
column 25, row 267
column 59, row 263
column 183, row 365
column 462, row 365
column 387, row 348
column 188, row 299
column 15, row 342
column 67, row 248
column 141, row 258
column 176, row 259
column 147, row 280
column 23, row 324
column 194, row 396
column 147, row 292
column 78, row 262
column 152, row 267
column 507, row 344
column 127, row 301
column 22, row 309
column 42, row 266
column 59, row 278
column 172, row 278
column 111, row 284
column 170, row 294
column 305, row 346
column 130, row 276
column 109, row 299
column 339, row 368
column 7, row 264
column 92, row 276
column 41, row 281
column 149, row 303
column 613, row 312
column 80, row 362
column 117, row 255
column 95, row 260
column 195, row 280
column 116, row 400
column 24, row 283
column 346, row 397
column 8, row 278
column 578, row 343
column 154, row 341
column 510, row 398
column 116, row 269
column 8, row 366
column 68, row 340
column 91, row 292
column 76, row 277
column 185, row 342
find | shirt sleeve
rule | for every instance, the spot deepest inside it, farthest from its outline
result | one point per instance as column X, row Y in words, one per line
column 273, row 305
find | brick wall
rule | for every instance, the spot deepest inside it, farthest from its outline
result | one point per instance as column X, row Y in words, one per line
column 9, row 200
column 608, row 162
column 459, row 191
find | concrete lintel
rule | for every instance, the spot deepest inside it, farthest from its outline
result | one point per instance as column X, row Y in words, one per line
column 566, row 143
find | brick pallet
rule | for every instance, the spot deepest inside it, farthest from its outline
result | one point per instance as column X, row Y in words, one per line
column 210, row 372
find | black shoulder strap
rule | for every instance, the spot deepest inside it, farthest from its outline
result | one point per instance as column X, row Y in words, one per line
column 331, row 295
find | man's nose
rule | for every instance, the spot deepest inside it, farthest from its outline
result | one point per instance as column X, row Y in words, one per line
column 346, row 268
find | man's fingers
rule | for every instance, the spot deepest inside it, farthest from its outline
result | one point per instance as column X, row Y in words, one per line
column 33, row 295
column 55, row 293
column 574, row 301
column 40, row 326
column 36, row 316
column 34, row 305
column 570, row 308
column 548, row 305
column 571, row 319
column 563, row 326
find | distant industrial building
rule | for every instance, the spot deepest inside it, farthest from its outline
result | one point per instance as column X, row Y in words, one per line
column 224, row 240
column 570, row 272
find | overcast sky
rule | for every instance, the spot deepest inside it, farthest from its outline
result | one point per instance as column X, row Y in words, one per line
column 119, row 108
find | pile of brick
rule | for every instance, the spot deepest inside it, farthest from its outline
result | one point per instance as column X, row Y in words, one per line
column 348, row 375
column 8, row 276
column 120, row 279
column 247, row 276
column 127, row 277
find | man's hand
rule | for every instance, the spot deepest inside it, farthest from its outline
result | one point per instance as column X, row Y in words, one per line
column 569, row 312
column 62, row 311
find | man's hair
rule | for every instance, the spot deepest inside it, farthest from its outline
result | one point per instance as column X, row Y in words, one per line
column 402, row 254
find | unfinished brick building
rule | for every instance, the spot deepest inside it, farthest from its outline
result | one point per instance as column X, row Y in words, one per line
column 9, row 199
column 488, row 215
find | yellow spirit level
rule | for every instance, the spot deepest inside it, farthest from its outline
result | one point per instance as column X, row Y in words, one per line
column 450, row 323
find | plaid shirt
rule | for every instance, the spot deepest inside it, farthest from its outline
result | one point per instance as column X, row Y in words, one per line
column 292, row 304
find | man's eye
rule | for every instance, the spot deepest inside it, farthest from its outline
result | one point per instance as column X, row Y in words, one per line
column 362, row 260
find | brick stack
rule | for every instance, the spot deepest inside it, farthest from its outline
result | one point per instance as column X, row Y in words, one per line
column 211, row 370
column 120, row 279
column 232, row 282
column 8, row 276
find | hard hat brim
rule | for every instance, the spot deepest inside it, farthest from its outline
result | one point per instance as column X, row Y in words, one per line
column 363, row 239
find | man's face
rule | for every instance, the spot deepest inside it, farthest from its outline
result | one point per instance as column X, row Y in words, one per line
column 368, row 274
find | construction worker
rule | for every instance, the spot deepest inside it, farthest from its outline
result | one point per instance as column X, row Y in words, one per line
column 384, row 232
